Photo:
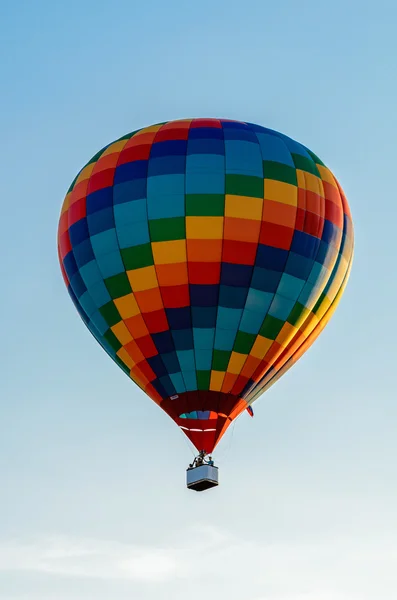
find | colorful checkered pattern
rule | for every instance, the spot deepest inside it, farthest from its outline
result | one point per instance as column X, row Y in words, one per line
column 205, row 256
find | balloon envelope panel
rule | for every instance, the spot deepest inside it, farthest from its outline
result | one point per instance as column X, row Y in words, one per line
column 205, row 256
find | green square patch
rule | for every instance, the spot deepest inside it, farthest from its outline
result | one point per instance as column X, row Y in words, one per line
column 244, row 185
column 220, row 360
column 244, row 342
column 271, row 327
column 118, row 285
column 296, row 313
column 110, row 313
column 305, row 164
column 164, row 230
column 279, row 172
column 205, row 205
column 112, row 340
column 203, row 380
column 137, row 257
column 316, row 159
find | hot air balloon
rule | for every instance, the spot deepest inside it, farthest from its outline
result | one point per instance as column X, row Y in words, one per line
column 205, row 256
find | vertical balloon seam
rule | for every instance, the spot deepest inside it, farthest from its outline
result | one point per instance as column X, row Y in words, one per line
column 244, row 392
column 97, row 160
column 290, row 344
column 320, row 325
column 253, row 266
column 274, row 360
column 289, row 252
column 292, row 341
column 237, row 329
column 131, row 375
column 187, row 268
column 304, row 209
column 262, row 384
column 116, row 358
column 154, row 262
column 219, row 392
column 162, row 128
column 154, row 132
column 80, row 309
column 117, row 152
column 220, row 265
column 187, row 409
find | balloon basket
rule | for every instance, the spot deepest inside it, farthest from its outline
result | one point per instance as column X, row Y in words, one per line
column 202, row 478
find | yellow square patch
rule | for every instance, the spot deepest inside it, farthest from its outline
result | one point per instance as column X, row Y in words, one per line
column 204, row 228
column 286, row 334
column 281, row 192
column 126, row 358
column 116, row 147
column 85, row 173
column 243, row 207
column 260, row 347
column 216, row 381
column 121, row 332
column 326, row 175
column 236, row 362
column 151, row 129
column 143, row 279
column 127, row 306
column 166, row 253
column 310, row 182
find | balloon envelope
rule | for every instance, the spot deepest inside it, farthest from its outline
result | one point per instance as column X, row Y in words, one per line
column 205, row 256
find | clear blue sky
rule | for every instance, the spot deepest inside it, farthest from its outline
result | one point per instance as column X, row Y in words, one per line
column 92, row 502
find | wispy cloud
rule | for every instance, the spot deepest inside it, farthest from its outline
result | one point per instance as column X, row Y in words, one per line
column 88, row 558
column 335, row 569
column 109, row 559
